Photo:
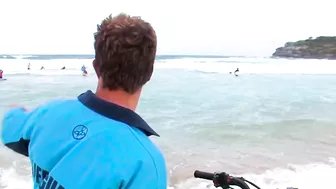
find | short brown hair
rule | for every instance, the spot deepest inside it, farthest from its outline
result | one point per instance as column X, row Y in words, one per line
column 125, row 49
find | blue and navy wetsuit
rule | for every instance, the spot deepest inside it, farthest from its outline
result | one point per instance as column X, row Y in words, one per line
column 86, row 143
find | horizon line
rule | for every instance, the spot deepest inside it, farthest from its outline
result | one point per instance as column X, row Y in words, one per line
column 216, row 55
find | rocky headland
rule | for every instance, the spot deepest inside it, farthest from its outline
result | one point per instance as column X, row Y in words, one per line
column 323, row 47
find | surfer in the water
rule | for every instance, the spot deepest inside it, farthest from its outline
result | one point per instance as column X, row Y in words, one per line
column 28, row 66
column 237, row 70
column 84, row 70
column 1, row 74
column 42, row 68
column 63, row 68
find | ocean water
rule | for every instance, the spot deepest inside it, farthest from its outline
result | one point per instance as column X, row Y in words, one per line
column 274, row 124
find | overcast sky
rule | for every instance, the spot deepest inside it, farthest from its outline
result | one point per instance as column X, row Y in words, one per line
column 213, row 27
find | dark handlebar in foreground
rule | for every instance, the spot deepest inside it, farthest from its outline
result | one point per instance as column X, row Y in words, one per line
column 203, row 175
column 224, row 180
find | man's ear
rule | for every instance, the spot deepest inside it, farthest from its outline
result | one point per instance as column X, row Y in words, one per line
column 96, row 67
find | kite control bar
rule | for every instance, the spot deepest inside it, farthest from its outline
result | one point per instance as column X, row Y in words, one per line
column 224, row 180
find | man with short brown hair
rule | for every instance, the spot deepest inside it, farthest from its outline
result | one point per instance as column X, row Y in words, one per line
column 96, row 141
column 125, row 49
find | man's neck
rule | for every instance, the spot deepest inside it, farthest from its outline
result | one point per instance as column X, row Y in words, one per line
column 119, row 97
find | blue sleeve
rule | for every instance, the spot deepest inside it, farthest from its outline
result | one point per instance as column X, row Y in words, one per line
column 16, row 128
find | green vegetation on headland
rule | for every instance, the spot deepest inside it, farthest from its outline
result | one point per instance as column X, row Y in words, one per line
column 323, row 47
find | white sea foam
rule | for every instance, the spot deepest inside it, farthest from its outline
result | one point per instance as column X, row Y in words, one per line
column 311, row 176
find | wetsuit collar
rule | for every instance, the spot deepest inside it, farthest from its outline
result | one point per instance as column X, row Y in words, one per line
column 115, row 112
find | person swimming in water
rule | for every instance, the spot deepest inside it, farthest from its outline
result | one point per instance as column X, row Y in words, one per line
column 42, row 68
column 1, row 74
column 63, row 68
column 84, row 70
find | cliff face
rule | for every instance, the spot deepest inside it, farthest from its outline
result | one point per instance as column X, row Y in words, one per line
column 319, row 48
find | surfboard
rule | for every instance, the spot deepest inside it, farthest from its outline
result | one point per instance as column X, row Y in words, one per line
column 2, row 79
column 234, row 74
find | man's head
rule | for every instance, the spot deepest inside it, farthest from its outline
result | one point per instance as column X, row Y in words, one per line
column 125, row 49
